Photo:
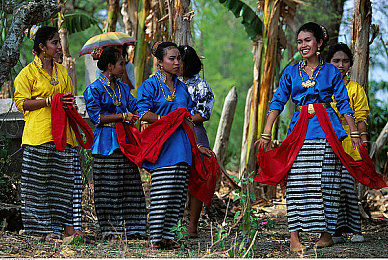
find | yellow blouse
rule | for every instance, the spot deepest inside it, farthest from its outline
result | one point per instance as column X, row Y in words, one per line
column 359, row 103
column 31, row 84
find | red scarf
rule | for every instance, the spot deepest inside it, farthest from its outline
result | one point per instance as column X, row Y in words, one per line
column 202, row 179
column 274, row 164
column 59, row 117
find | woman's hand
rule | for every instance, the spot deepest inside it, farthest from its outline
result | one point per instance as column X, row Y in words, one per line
column 356, row 142
column 67, row 99
column 205, row 151
column 130, row 118
column 263, row 143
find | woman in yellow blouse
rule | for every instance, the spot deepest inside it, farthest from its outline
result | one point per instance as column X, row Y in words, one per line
column 349, row 218
column 51, row 183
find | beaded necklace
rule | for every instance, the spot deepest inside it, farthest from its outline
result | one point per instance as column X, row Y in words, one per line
column 347, row 81
column 52, row 81
column 311, row 81
column 173, row 95
column 105, row 81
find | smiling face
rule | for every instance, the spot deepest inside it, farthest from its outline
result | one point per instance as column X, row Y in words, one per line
column 307, row 44
column 53, row 48
column 341, row 60
column 171, row 61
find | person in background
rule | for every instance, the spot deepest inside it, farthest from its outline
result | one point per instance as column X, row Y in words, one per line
column 349, row 216
column 128, row 76
column 51, row 182
column 314, row 177
column 118, row 193
column 202, row 104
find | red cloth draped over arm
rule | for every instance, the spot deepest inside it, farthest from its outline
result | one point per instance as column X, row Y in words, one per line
column 202, row 177
column 274, row 164
column 128, row 132
column 363, row 171
column 59, row 117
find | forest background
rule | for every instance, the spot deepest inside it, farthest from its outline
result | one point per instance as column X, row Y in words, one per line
column 221, row 38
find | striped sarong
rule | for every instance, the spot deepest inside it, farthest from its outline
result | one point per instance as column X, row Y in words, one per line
column 51, row 189
column 314, row 188
column 118, row 195
column 349, row 218
column 168, row 198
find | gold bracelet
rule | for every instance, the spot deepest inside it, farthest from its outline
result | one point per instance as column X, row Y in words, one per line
column 159, row 117
column 124, row 116
column 270, row 135
column 355, row 136
column 266, row 138
column 355, row 133
column 47, row 101
column 364, row 133
column 365, row 142
column 199, row 145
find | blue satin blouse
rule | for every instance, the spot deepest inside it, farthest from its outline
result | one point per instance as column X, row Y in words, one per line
column 328, row 82
column 98, row 101
column 177, row 148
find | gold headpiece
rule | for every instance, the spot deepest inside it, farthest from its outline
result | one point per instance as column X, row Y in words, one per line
column 155, row 47
column 325, row 35
column 31, row 32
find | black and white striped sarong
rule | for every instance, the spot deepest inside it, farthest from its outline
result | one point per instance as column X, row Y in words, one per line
column 168, row 198
column 313, row 188
column 349, row 218
column 51, row 189
column 118, row 195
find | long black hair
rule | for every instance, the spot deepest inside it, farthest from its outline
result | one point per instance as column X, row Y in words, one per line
column 191, row 62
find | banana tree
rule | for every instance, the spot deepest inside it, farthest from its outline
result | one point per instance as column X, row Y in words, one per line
column 113, row 13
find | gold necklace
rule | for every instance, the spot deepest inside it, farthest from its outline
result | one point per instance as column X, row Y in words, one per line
column 168, row 98
column 347, row 82
column 116, row 102
column 52, row 81
column 311, row 68
column 311, row 81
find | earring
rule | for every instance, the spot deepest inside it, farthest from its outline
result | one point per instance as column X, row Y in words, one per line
column 109, row 78
column 44, row 55
column 161, row 67
column 319, row 51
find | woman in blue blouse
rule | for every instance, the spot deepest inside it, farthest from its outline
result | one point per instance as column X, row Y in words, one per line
column 158, row 96
column 202, row 104
column 313, row 182
column 118, row 193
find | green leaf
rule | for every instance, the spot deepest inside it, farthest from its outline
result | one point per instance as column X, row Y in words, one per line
column 237, row 214
column 252, row 23
column 236, row 198
column 75, row 22
column 252, row 196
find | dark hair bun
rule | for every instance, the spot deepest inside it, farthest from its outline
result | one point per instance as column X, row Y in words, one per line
column 191, row 62
column 108, row 55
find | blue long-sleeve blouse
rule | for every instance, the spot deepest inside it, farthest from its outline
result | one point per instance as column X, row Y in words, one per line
column 328, row 82
column 152, row 96
column 99, row 102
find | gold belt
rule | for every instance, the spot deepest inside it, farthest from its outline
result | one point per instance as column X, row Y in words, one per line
column 111, row 124
column 310, row 108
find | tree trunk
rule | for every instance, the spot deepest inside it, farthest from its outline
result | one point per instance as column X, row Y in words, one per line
column 129, row 13
column 181, row 28
column 24, row 15
column 68, row 61
column 225, row 125
column 360, row 42
column 249, row 153
column 113, row 13
column 141, row 46
column 244, row 144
